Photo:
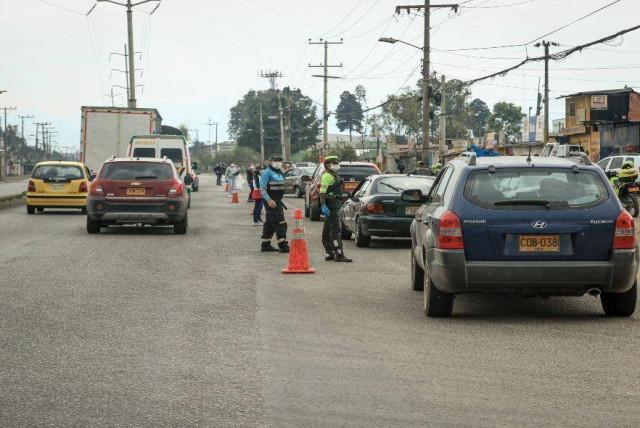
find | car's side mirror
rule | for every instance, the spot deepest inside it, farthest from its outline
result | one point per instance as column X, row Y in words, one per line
column 188, row 179
column 305, row 178
column 412, row 195
column 92, row 177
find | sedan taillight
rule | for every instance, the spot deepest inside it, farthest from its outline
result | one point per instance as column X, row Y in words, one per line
column 177, row 189
column 32, row 186
column 83, row 187
column 450, row 232
column 625, row 234
column 375, row 208
column 96, row 188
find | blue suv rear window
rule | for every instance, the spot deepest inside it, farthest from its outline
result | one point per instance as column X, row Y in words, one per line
column 531, row 188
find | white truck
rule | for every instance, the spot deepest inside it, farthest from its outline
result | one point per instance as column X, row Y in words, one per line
column 561, row 150
column 107, row 131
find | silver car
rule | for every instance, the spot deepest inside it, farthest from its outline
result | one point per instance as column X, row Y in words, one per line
column 293, row 184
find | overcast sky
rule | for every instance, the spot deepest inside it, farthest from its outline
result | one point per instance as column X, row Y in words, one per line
column 200, row 56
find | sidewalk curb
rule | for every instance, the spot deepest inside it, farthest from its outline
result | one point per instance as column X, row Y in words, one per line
column 12, row 201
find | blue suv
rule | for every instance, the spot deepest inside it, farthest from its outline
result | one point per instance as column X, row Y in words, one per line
column 534, row 227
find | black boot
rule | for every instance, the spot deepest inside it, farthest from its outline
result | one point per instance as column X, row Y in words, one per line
column 342, row 258
column 330, row 257
column 267, row 248
column 284, row 247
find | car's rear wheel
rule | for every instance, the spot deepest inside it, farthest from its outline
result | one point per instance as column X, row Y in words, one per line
column 437, row 304
column 346, row 233
column 417, row 274
column 180, row 227
column 620, row 305
column 93, row 226
column 630, row 204
column 361, row 239
column 40, row 209
column 314, row 214
column 31, row 210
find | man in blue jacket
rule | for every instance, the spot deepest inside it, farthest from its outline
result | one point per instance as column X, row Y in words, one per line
column 272, row 189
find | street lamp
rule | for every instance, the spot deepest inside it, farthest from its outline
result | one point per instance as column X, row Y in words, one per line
column 425, row 90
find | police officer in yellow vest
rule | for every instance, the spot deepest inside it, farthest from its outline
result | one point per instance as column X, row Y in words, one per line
column 331, row 201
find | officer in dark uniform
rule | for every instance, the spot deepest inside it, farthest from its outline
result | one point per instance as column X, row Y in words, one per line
column 272, row 189
column 331, row 201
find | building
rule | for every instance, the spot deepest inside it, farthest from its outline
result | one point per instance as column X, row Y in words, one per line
column 603, row 122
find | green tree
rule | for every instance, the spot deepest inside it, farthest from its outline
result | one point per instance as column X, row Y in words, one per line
column 349, row 114
column 506, row 117
column 346, row 153
column 401, row 115
column 479, row 114
column 240, row 155
column 244, row 124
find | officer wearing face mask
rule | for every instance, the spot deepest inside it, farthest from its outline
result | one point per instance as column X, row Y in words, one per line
column 331, row 201
column 272, row 190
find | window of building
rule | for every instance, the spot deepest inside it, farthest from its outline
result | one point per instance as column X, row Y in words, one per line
column 571, row 108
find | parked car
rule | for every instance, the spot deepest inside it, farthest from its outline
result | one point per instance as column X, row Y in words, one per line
column 485, row 228
column 57, row 184
column 138, row 191
column 376, row 209
column 293, row 184
column 611, row 165
column 353, row 173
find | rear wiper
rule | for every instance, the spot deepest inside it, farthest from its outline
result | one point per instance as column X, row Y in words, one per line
column 535, row 202
column 146, row 177
column 397, row 189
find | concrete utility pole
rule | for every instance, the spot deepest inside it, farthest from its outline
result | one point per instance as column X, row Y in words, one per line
column 210, row 124
column 326, row 77
column 283, row 145
column 442, row 146
column 546, row 45
column 426, row 65
column 6, row 124
column 24, row 141
column 38, row 125
column 261, row 138
column 132, row 74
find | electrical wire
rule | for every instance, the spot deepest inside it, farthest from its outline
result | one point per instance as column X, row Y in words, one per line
column 343, row 20
column 367, row 12
column 77, row 12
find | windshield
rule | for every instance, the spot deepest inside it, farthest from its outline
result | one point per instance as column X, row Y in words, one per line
column 57, row 173
column 174, row 154
column 541, row 188
column 136, row 171
column 395, row 185
column 358, row 172
column 144, row 152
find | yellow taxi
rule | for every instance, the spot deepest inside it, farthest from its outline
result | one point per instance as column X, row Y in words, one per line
column 58, row 184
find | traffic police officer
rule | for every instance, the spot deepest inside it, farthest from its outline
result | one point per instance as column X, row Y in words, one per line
column 272, row 189
column 331, row 201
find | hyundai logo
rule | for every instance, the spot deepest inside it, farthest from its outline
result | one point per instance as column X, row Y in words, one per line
column 539, row 225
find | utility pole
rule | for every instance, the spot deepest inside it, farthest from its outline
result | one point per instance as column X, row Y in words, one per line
column 272, row 76
column 210, row 124
column 6, row 124
column 22, row 118
column 24, row 141
column 285, row 156
column 546, row 44
column 132, row 74
column 261, row 138
column 325, row 66
column 113, row 97
column 426, row 65
column 38, row 125
column 442, row 146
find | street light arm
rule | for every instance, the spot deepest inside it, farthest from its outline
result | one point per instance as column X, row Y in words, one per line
column 143, row 2
column 391, row 40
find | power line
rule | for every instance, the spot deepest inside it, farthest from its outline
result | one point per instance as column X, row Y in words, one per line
column 77, row 12
column 347, row 16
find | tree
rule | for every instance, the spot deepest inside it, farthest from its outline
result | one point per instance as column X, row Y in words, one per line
column 244, row 124
column 240, row 155
column 479, row 114
column 506, row 117
column 346, row 153
column 349, row 114
column 401, row 115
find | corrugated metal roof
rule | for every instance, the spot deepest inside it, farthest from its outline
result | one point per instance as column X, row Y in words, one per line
column 603, row 92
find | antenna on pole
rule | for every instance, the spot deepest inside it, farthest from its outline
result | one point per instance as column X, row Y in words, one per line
column 272, row 76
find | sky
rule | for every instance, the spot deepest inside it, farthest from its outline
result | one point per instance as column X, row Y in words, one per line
column 199, row 57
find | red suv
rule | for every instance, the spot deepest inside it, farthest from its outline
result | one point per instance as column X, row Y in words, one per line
column 138, row 191
column 353, row 173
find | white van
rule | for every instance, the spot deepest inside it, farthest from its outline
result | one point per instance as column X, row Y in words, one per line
column 174, row 147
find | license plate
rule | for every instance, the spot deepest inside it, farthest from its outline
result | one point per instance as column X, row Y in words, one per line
column 410, row 210
column 350, row 186
column 539, row 244
column 634, row 189
column 135, row 191
column 57, row 186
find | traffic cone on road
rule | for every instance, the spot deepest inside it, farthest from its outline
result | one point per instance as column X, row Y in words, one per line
column 298, row 254
column 235, row 199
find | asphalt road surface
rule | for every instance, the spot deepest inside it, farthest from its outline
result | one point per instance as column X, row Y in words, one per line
column 138, row 327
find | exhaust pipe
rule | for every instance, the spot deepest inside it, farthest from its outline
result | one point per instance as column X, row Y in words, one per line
column 595, row 292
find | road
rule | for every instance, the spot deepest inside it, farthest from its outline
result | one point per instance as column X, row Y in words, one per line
column 143, row 328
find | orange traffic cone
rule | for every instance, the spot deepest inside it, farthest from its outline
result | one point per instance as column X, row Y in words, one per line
column 298, row 254
column 235, row 199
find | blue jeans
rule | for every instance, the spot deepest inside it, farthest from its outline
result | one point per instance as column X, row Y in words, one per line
column 232, row 185
column 257, row 210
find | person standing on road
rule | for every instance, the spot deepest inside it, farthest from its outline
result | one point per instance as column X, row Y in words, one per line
column 218, row 171
column 331, row 202
column 250, row 180
column 231, row 174
column 257, row 197
column 272, row 190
